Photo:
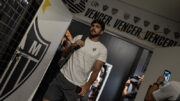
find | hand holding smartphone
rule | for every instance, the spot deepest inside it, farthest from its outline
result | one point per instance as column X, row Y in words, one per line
column 167, row 75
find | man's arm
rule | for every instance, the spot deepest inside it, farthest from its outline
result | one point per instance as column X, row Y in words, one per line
column 97, row 67
column 126, row 88
column 149, row 95
column 68, row 49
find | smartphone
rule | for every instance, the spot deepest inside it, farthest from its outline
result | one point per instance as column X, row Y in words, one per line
column 167, row 75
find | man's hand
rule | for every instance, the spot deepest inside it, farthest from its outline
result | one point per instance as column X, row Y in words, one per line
column 160, row 80
column 80, row 43
column 128, row 82
column 97, row 67
column 68, row 49
column 84, row 90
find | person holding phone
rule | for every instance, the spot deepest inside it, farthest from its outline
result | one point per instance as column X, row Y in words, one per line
column 162, row 90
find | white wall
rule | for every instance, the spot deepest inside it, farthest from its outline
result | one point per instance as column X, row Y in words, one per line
column 165, row 8
column 162, row 58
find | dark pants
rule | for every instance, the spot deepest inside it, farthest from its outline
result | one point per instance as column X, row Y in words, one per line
column 61, row 89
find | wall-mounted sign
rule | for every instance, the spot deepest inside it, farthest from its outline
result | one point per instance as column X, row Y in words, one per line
column 143, row 25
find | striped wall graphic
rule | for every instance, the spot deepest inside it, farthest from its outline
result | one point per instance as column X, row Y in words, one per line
column 76, row 6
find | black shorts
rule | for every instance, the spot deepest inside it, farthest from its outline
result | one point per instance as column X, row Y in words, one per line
column 61, row 89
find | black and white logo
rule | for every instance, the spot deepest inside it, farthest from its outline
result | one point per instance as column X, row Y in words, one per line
column 136, row 19
column 146, row 23
column 167, row 31
column 94, row 49
column 76, row 6
column 114, row 11
column 126, row 16
column 156, row 27
column 27, row 57
column 94, row 4
column 176, row 35
column 105, row 7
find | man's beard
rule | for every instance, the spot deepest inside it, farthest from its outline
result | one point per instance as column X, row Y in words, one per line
column 94, row 35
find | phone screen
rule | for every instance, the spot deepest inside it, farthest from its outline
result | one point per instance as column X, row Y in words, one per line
column 167, row 75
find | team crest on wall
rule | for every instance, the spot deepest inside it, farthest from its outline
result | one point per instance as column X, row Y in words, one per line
column 26, row 59
column 76, row 6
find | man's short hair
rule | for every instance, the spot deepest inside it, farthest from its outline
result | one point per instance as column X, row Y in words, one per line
column 99, row 22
